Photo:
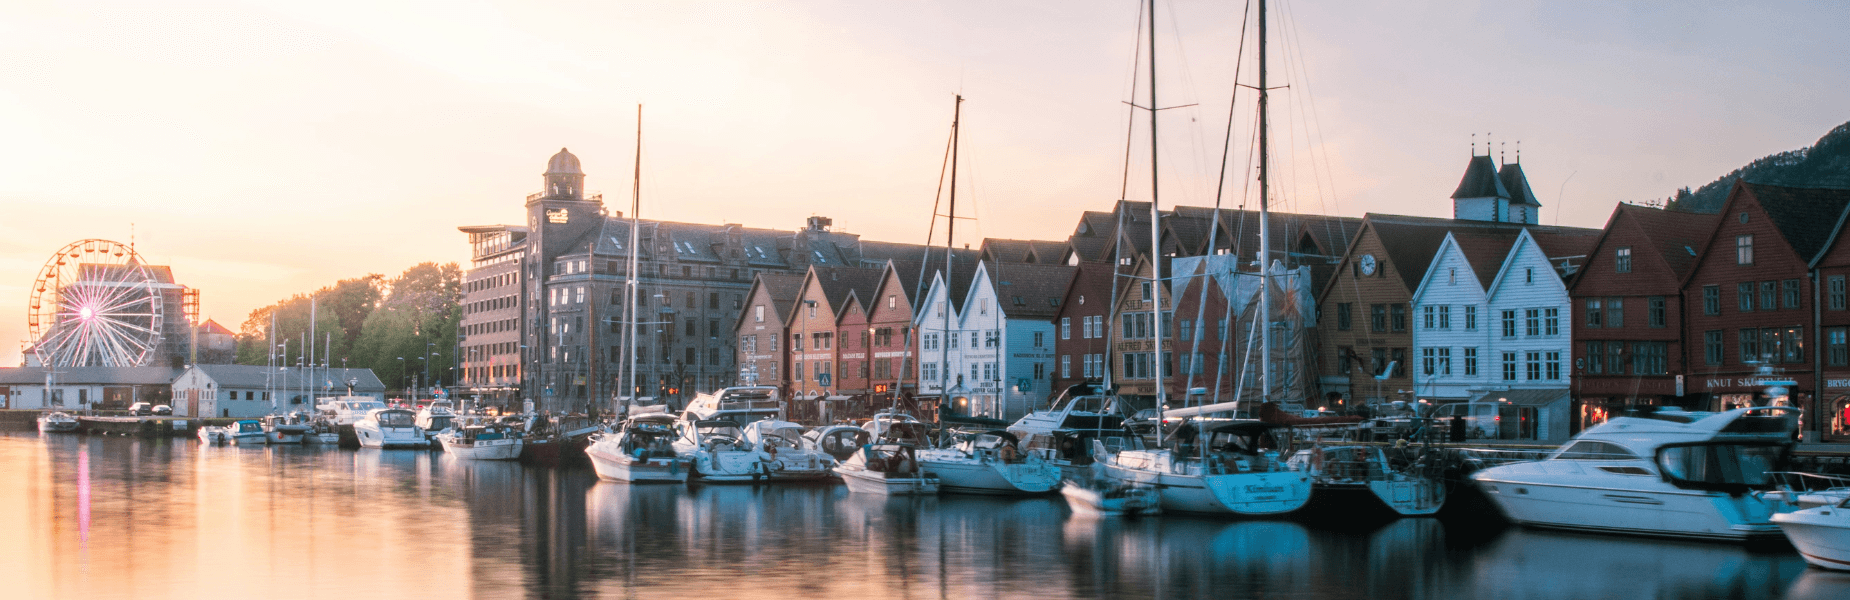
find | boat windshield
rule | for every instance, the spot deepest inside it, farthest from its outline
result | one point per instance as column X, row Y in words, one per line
column 248, row 427
column 440, row 422
column 1721, row 465
column 394, row 418
column 1595, row 450
column 1086, row 404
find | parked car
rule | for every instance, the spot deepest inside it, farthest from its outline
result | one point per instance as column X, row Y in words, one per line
column 163, row 410
column 140, row 409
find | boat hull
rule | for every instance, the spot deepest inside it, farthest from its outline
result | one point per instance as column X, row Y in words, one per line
column 613, row 466
column 391, row 438
column 1666, row 512
column 1821, row 535
column 1246, row 494
column 971, row 476
column 727, row 466
column 57, row 426
column 502, row 449
column 286, row 435
column 248, row 439
column 869, row 482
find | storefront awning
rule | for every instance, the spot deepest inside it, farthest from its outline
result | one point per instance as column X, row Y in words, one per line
column 837, row 398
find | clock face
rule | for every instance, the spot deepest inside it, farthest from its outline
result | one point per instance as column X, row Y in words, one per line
column 1368, row 264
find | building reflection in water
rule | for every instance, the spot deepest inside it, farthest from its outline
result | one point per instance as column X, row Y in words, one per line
column 95, row 517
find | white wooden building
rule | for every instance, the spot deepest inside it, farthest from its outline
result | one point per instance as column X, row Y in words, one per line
column 254, row 391
column 991, row 352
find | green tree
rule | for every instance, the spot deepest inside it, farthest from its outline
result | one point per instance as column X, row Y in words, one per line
column 413, row 330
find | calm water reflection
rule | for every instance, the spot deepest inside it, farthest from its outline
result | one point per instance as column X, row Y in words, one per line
column 114, row 517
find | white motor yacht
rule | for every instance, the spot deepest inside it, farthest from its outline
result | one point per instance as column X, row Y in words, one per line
column 990, row 462
column 481, row 442
column 889, row 425
column 247, row 432
column 1063, row 433
column 436, row 417
column 838, row 441
column 1821, row 534
column 641, row 452
column 716, row 451
column 283, row 429
column 1232, row 469
column 741, row 405
column 1353, row 476
column 347, row 410
column 213, row 434
column 57, row 422
column 787, row 453
column 886, row 468
column 1663, row 473
column 390, row 428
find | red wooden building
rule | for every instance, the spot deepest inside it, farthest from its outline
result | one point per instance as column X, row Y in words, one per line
column 1628, row 311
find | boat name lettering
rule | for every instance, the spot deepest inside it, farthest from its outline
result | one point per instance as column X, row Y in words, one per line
column 1262, row 489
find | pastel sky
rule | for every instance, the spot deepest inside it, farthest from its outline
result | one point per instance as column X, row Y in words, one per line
column 264, row 148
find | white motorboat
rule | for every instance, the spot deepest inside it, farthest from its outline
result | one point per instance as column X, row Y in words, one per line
column 887, row 468
column 1352, row 475
column 889, row 425
column 1663, row 473
column 787, row 453
column 247, row 432
column 1111, row 499
column 1821, row 534
column 641, row 452
column 741, row 405
column 1063, row 433
column 390, row 428
column 57, row 422
column 838, row 441
column 716, row 451
column 1234, row 469
column 284, row 429
column 348, row 410
column 214, row 435
column 436, row 417
column 481, row 442
column 990, row 462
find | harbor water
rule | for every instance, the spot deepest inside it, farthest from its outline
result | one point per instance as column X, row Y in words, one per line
column 116, row 517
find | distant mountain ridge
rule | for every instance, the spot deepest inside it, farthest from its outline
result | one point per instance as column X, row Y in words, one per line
column 1825, row 164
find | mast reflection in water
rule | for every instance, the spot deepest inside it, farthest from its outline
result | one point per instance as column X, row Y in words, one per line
column 172, row 519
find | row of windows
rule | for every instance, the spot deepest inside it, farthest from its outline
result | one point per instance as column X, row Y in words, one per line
column 1379, row 359
column 1089, row 327
column 490, row 282
column 489, row 327
column 1091, row 365
column 990, row 338
column 1612, row 358
column 1777, row 345
column 1610, row 312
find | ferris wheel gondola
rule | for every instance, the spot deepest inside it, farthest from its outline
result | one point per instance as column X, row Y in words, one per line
column 95, row 304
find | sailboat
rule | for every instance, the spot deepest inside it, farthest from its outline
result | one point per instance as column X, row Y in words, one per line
column 1224, row 466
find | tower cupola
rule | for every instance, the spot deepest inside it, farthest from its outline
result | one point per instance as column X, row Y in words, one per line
column 564, row 179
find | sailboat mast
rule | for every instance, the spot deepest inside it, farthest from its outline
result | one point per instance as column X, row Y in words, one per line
column 1156, row 219
column 1265, row 230
column 630, row 314
column 950, row 246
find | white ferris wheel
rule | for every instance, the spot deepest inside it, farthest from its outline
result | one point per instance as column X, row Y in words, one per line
column 95, row 304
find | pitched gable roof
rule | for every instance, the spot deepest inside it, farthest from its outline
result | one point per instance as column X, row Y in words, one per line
column 782, row 288
column 1675, row 236
column 841, row 283
column 1514, row 181
column 1480, row 180
column 1038, row 288
column 1412, row 242
column 1804, row 216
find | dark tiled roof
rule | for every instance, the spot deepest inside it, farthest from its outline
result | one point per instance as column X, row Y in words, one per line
column 1481, row 180
column 916, row 286
column 1804, row 216
column 1412, row 242
column 1038, row 287
column 782, row 288
column 1675, row 236
column 1485, row 251
column 1517, row 184
column 1092, row 280
column 1022, row 251
column 1092, row 238
column 839, row 283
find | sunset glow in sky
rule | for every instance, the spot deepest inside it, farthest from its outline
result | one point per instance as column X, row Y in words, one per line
column 268, row 148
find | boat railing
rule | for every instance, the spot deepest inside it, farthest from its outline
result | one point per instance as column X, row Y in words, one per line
column 1483, row 458
column 1796, row 481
